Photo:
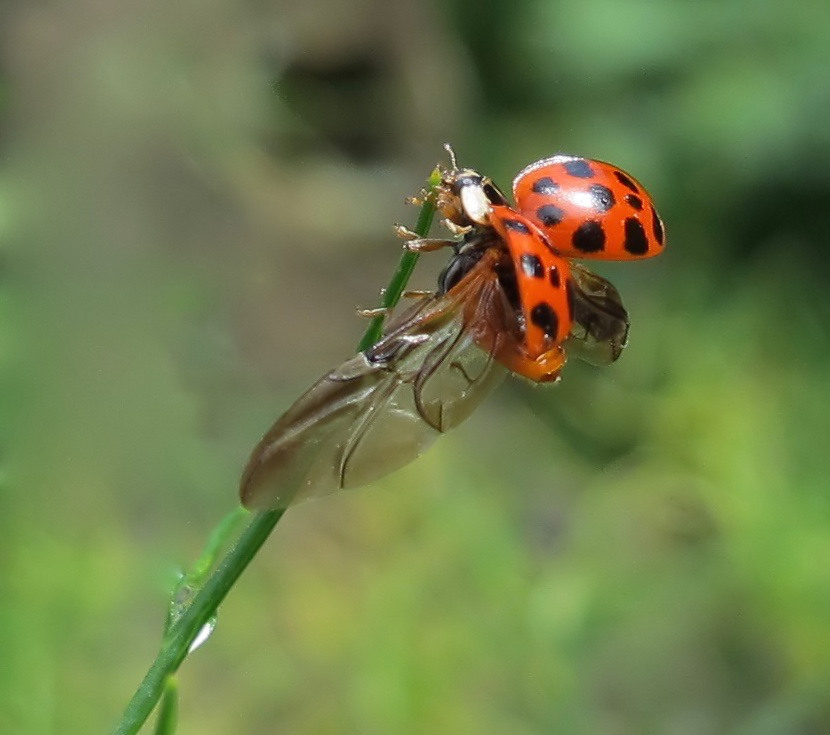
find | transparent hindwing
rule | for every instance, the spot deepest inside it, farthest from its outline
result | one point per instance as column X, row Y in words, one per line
column 599, row 331
column 381, row 409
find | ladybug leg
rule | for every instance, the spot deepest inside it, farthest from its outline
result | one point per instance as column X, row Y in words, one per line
column 405, row 233
column 425, row 244
column 417, row 294
column 410, row 236
column 457, row 230
column 372, row 313
column 428, row 245
column 384, row 310
column 418, row 199
column 418, row 244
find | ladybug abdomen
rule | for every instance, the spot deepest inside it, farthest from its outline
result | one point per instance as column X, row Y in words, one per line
column 589, row 209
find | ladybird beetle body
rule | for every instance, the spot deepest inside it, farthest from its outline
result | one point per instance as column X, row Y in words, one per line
column 566, row 207
column 509, row 300
column 589, row 209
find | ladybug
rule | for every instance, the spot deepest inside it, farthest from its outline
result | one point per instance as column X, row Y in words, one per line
column 566, row 207
column 509, row 300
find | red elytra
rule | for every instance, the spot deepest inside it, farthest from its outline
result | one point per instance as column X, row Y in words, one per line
column 543, row 280
column 589, row 209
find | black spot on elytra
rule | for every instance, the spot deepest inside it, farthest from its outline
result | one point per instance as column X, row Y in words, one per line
column 532, row 266
column 589, row 237
column 626, row 182
column 516, row 226
column 657, row 224
column 553, row 275
column 550, row 215
column 636, row 241
column 544, row 317
column 603, row 197
column 545, row 185
column 580, row 168
column 634, row 201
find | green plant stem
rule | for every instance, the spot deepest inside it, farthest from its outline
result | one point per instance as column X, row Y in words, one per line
column 176, row 643
column 182, row 631
column 216, row 542
column 168, row 717
column 394, row 291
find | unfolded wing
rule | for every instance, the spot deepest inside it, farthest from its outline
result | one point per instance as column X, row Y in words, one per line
column 381, row 409
column 599, row 331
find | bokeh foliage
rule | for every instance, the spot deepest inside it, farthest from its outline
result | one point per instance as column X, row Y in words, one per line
column 193, row 199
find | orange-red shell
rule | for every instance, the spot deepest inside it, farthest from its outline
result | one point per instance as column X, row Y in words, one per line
column 589, row 209
column 542, row 278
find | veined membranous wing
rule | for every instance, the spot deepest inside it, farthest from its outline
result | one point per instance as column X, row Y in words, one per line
column 599, row 331
column 382, row 408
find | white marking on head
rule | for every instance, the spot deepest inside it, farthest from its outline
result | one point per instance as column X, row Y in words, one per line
column 475, row 204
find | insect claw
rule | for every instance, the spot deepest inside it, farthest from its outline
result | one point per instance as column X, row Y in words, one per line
column 372, row 313
column 405, row 233
column 417, row 244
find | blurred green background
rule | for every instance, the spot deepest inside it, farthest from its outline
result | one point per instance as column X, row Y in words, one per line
column 194, row 197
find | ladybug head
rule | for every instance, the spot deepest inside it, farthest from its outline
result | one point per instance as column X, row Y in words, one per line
column 466, row 197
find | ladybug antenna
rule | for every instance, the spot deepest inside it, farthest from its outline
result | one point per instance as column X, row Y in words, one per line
column 451, row 152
